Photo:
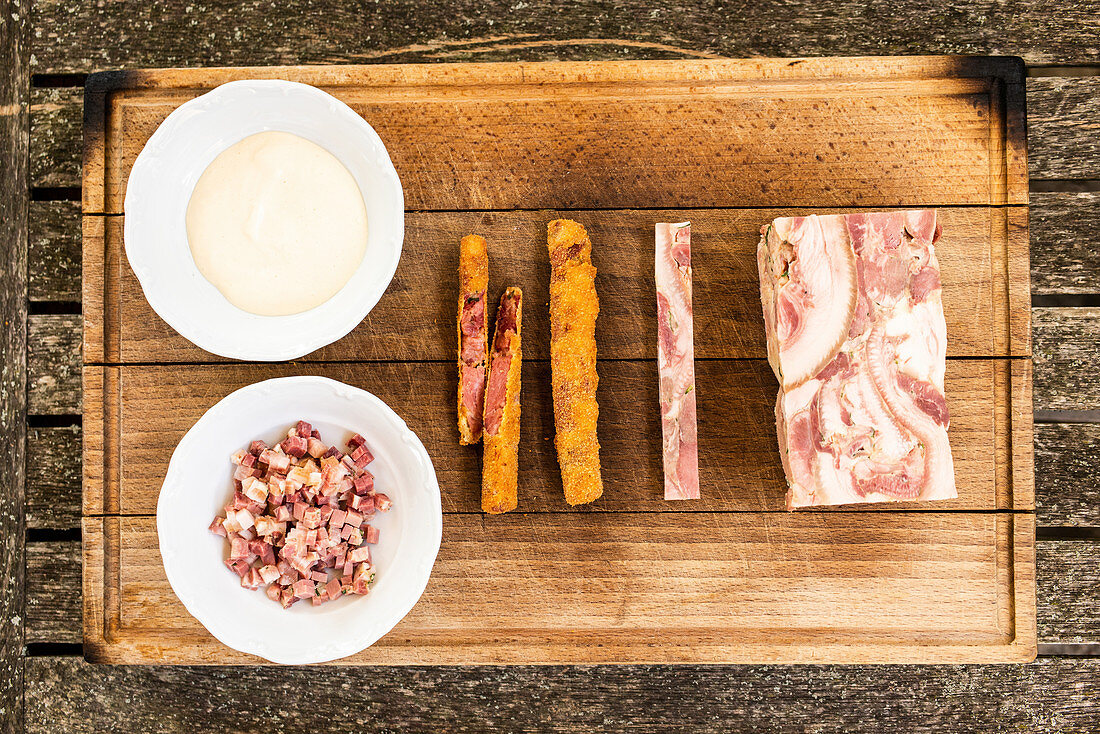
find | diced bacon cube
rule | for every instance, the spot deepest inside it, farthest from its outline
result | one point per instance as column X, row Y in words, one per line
column 304, row 589
column 362, row 503
column 370, row 534
column 311, row 517
column 353, row 518
column 250, row 580
column 303, row 429
column 383, row 502
column 255, row 489
column 311, row 538
column 287, row 598
column 297, row 476
column 349, row 463
column 274, row 593
column 268, row 554
column 336, row 518
column 244, row 519
column 269, row 573
column 242, row 472
column 333, row 589
column 237, row 456
column 265, row 525
column 257, row 447
column 258, row 472
column 360, row 580
column 349, row 567
column 239, row 566
column 319, row 576
column 344, row 486
column 362, row 456
column 230, row 522
column 315, row 448
column 274, row 500
column 295, row 446
column 360, row 555
column 333, row 452
column 276, row 461
column 247, row 533
column 249, row 461
column 282, row 513
column 240, row 499
column 276, row 485
column 326, row 513
column 318, row 600
column 355, row 538
column 218, row 528
column 355, row 442
column 315, row 433
column 238, row 548
column 314, row 480
column 300, row 510
column 364, row 482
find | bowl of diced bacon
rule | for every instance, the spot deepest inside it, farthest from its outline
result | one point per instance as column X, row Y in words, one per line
column 299, row 503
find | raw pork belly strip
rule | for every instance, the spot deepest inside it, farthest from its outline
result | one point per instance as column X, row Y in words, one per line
column 857, row 339
column 676, row 361
column 500, row 464
column 473, row 279
column 573, row 310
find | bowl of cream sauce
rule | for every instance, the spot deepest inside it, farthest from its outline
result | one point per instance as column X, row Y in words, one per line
column 264, row 220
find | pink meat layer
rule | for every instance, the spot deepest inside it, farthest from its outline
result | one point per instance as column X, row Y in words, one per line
column 472, row 369
column 857, row 339
column 676, row 361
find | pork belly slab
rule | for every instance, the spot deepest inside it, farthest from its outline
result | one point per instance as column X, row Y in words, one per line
column 857, row 339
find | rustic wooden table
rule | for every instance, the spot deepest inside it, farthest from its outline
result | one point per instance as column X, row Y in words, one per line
column 47, row 48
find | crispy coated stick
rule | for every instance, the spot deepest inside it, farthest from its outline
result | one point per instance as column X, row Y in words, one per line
column 500, row 465
column 573, row 311
column 473, row 279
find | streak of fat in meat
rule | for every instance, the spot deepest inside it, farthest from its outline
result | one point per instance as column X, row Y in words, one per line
column 675, row 360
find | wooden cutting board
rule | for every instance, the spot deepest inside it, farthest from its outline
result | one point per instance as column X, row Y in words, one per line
column 501, row 149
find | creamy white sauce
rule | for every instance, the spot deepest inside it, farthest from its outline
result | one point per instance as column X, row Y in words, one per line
column 277, row 224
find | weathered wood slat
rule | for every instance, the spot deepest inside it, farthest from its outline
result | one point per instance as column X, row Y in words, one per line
column 869, row 587
column 1069, row 596
column 53, row 364
column 1068, row 590
column 1066, row 348
column 1067, row 478
column 729, row 323
column 14, row 146
column 1052, row 696
column 53, row 477
column 54, row 257
column 739, row 464
column 1064, row 256
column 1067, row 474
column 1065, row 242
column 56, row 143
column 1066, row 342
column 1062, row 131
column 1063, row 127
column 53, row 598
column 90, row 36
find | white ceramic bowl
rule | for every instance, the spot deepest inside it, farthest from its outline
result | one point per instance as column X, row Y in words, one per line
column 165, row 174
column 199, row 483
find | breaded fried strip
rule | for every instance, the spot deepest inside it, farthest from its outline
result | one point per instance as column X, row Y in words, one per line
column 473, row 279
column 500, row 465
column 573, row 311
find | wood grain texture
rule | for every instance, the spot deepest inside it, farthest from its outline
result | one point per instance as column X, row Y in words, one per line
column 53, row 477
column 86, row 36
column 1071, row 590
column 1064, row 113
column 14, row 146
column 1067, row 582
column 983, row 256
column 1067, row 478
column 56, row 113
column 53, row 364
column 1067, row 341
column 1064, row 259
column 942, row 587
column 54, row 255
column 150, row 408
column 1067, row 474
column 1065, row 244
column 1052, row 696
column 886, row 132
column 53, row 609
